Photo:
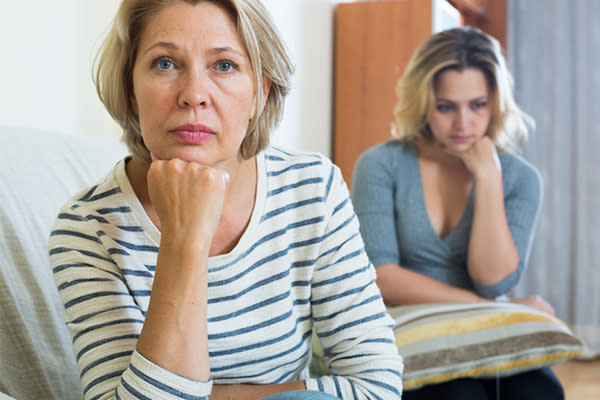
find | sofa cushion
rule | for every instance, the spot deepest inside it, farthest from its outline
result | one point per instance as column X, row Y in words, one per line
column 440, row 342
column 39, row 172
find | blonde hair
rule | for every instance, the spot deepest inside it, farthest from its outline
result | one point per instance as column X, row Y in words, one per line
column 458, row 49
column 268, row 56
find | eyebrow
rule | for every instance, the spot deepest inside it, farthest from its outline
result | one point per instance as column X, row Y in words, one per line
column 470, row 101
column 226, row 49
column 216, row 50
column 168, row 45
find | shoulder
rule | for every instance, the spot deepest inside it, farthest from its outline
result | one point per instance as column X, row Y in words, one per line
column 292, row 165
column 517, row 170
column 83, row 219
column 295, row 179
column 283, row 156
column 521, row 179
column 389, row 152
column 96, row 197
column 384, row 162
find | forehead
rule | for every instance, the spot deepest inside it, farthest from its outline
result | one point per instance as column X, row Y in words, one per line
column 458, row 85
column 201, row 24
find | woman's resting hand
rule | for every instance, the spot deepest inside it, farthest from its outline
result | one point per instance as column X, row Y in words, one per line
column 536, row 302
column 187, row 197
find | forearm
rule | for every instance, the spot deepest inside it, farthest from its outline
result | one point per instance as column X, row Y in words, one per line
column 401, row 286
column 105, row 319
column 174, row 335
column 492, row 253
column 187, row 200
column 252, row 392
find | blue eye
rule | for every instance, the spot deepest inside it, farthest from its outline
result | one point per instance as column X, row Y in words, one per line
column 443, row 107
column 165, row 64
column 479, row 105
column 225, row 66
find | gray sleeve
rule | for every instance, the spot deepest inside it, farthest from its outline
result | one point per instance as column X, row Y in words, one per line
column 373, row 200
column 522, row 202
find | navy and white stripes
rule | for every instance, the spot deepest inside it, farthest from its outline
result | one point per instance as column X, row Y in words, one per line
column 300, row 264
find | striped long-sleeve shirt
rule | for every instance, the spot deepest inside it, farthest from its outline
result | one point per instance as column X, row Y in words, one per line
column 299, row 265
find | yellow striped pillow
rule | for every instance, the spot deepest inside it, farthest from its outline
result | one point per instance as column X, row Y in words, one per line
column 440, row 342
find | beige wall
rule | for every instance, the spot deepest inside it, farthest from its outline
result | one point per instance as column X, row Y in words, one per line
column 47, row 49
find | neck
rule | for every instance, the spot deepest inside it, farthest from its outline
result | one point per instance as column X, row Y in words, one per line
column 431, row 149
column 242, row 184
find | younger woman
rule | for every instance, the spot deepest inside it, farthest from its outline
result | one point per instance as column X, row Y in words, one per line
column 447, row 209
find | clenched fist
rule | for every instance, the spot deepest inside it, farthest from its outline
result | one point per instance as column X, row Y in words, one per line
column 188, row 198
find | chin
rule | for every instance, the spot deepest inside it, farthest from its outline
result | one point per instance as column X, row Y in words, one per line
column 202, row 160
column 186, row 155
column 460, row 147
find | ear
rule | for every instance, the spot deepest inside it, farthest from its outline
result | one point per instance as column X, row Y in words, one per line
column 134, row 104
column 266, row 88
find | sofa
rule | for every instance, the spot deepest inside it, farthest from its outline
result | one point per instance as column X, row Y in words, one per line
column 40, row 170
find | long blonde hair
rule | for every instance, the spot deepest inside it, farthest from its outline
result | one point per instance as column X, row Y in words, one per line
column 458, row 49
column 267, row 53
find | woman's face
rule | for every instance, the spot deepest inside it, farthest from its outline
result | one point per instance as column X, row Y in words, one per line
column 462, row 108
column 193, row 89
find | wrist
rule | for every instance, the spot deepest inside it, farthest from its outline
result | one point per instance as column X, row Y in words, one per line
column 185, row 242
column 487, row 174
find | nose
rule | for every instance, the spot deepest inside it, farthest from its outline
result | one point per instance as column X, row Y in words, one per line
column 194, row 91
column 462, row 118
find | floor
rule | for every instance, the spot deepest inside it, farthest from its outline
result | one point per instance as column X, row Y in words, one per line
column 580, row 379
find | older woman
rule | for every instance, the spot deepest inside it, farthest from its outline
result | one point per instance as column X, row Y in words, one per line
column 200, row 265
column 447, row 208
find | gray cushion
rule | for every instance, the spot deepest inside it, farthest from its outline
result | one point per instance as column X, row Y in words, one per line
column 39, row 171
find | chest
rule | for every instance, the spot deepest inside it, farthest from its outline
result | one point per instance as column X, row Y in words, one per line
column 446, row 195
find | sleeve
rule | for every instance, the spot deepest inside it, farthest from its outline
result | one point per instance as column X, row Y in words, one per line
column 349, row 316
column 373, row 201
column 522, row 202
column 104, row 319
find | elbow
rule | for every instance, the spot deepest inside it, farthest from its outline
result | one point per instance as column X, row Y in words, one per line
column 493, row 290
column 385, row 289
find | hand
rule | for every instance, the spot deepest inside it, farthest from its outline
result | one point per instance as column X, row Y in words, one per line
column 187, row 197
column 481, row 159
column 536, row 302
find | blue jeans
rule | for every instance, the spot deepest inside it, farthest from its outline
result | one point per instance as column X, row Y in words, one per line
column 540, row 384
column 301, row 395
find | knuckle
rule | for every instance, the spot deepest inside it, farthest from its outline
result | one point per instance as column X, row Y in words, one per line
column 207, row 176
column 175, row 164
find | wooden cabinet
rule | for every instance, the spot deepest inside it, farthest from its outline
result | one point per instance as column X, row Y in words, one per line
column 373, row 42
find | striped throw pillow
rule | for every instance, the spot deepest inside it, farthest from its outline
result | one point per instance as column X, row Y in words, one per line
column 440, row 342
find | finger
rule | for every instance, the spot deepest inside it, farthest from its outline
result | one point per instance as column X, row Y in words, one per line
column 226, row 178
column 497, row 160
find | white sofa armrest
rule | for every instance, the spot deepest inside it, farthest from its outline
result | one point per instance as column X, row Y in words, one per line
column 39, row 172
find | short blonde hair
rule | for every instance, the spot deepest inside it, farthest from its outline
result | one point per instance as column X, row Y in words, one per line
column 458, row 49
column 268, row 56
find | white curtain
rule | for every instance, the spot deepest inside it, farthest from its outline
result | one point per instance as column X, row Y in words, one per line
column 554, row 55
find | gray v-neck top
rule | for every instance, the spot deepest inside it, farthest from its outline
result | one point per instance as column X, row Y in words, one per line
column 388, row 197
